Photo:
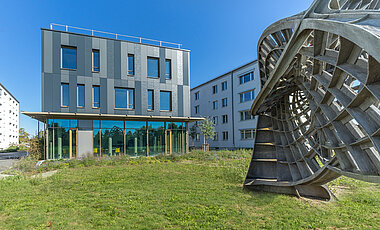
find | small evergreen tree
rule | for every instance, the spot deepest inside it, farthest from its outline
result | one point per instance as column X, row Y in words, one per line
column 207, row 128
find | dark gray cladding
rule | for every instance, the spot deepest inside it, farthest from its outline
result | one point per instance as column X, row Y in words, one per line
column 319, row 114
column 113, row 73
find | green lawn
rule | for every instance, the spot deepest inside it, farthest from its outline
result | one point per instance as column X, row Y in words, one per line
column 187, row 192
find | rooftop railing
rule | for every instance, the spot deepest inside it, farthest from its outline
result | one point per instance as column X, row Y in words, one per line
column 74, row 29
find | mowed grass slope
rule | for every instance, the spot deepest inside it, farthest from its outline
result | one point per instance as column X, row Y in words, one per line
column 198, row 190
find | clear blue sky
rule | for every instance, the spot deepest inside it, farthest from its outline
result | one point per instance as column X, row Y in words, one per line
column 221, row 34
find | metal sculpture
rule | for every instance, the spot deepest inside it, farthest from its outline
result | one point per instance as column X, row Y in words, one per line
column 318, row 109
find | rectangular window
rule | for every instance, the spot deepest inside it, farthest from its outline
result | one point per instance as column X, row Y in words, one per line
column 165, row 101
column 150, row 100
column 168, row 69
column 225, row 135
column 69, row 57
column 225, row 119
column 247, row 134
column 246, row 78
column 80, row 95
column 153, row 67
column 124, row 98
column 215, row 120
column 95, row 61
column 214, row 89
column 224, row 102
column 216, row 136
column 64, row 94
column 95, row 96
column 196, row 96
column 198, row 137
column 224, row 85
column 196, row 109
column 131, row 64
column 246, row 115
column 247, row 96
column 215, row 105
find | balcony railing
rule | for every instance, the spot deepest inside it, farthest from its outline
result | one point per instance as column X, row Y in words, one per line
column 92, row 32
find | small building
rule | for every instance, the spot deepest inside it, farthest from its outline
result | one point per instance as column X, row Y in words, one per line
column 227, row 100
column 108, row 96
column 9, row 119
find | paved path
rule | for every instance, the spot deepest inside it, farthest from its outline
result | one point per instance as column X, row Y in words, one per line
column 7, row 159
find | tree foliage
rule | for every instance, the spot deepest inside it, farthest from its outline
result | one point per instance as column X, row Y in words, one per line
column 23, row 136
column 207, row 129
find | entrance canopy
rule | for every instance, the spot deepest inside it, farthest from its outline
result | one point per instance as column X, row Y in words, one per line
column 42, row 116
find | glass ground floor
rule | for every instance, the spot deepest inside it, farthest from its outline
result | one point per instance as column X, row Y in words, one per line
column 71, row 138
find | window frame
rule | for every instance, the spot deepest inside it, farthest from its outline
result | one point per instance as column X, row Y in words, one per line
column 214, row 89
column 76, row 57
column 168, row 77
column 251, row 77
column 158, row 67
column 224, row 121
column 68, row 95
column 252, row 92
column 170, row 102
column 215, row 120
column 243, row 134
column 133, row 65
column 151, row 90
column 215, row 105
column 93, row 97
column 94, row 51
column 224, row 100
column 224, row 85
column 84, row 95
column 196, row 109
column 127, row 102
column 197, row 96
column 225, row 135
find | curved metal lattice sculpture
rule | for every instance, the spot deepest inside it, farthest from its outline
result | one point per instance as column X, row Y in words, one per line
column 318, row 109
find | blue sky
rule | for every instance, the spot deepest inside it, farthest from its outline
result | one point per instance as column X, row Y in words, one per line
column 221, row 34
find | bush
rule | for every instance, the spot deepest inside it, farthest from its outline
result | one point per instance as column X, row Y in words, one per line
column 36, row 148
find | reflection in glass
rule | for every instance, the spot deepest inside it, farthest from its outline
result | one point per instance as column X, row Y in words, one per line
column 165, row 101
column 153, row 68
column 69, row 58
column 156, row 138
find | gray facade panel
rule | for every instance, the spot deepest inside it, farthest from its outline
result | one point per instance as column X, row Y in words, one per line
column 72, row 94
column 117, row 60
column 186, row 68
column 110, row 59
column 55, row 49
column 103, row 96
column 113, row 54
column 139, row 94
column 180, row 100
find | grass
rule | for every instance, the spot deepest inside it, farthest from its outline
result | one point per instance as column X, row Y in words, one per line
column 195, row 191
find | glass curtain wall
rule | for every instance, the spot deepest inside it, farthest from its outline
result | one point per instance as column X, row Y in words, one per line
column 156, row 137
column 61, row 138
column 178, row 132
column 111, row 138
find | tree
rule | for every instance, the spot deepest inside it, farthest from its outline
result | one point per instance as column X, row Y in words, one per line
column 23, row 136
column 193, row 132
column 207, row 128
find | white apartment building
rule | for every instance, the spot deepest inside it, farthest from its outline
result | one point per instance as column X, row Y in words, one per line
column 9, row 118
column 227, row 100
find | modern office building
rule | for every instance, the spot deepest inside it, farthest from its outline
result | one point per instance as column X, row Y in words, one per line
column 227, row 100
column 107, row 96
column 9, row 118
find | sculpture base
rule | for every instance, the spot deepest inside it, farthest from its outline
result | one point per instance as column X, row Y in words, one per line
column 320, row 192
